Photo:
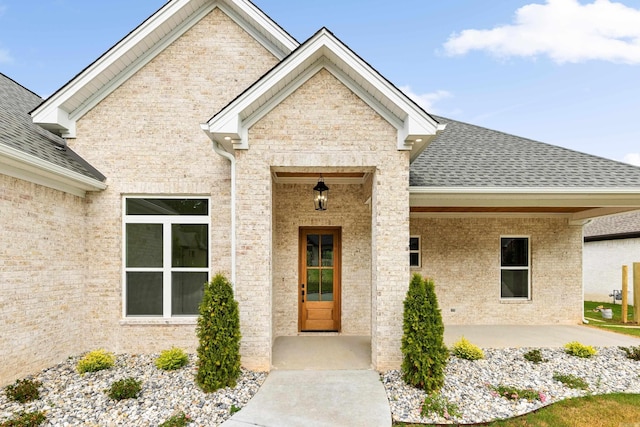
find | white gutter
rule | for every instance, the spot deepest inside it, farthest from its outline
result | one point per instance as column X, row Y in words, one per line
column 17, row 163
column 219, row 150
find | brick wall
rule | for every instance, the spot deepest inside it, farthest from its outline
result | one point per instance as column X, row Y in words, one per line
column 321, row 127
column 463, row 257
column 42, row 268
column 146, row 138
column 347, row 209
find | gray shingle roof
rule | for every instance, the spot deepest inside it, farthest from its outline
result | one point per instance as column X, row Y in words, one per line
column 615, row 225
column 18, row 131
column 465, row 155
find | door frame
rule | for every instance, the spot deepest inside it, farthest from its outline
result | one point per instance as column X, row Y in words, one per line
column 337, row 271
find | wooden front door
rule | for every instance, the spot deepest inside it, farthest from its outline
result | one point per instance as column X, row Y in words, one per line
column 319, row 289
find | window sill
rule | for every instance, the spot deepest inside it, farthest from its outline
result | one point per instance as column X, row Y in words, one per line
column 516, row 301
column 150, row 321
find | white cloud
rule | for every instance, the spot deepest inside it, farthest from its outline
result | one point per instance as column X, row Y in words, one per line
column 565, row 30
column 632, row 158
column 425, row 100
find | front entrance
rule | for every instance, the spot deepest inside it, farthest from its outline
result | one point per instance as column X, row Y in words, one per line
column 320, row 286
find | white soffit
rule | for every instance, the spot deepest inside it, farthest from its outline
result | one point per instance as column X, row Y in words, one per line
column 596, row 201
column 60, row 111
column 230, row 126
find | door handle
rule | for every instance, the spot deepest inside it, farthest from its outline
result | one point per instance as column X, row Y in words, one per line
column 302, row 287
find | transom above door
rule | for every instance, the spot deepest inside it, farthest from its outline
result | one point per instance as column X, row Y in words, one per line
column 319, row 292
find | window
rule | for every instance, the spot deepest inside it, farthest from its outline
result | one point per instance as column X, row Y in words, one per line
column 515, row 268
column 414, row 251
column 166, row 253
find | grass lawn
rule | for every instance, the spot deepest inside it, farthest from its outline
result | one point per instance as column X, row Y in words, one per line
column 615, row 324
column 607, row 410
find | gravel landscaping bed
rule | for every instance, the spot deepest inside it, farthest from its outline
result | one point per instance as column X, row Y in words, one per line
column 467, row 383
column 70, row 399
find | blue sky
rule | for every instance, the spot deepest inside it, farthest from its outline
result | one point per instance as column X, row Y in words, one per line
column 565, row 72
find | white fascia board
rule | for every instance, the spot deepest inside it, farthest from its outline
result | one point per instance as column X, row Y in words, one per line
column 21, row 165
column 506, row 196
column 287, row 44
column 52, row 114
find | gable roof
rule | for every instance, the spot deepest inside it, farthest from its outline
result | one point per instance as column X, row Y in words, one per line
column 30, row 152
column 61, row 110
column 622, row 226
column 229, row 127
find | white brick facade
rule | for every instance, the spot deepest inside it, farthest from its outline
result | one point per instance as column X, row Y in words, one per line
column 62, row 290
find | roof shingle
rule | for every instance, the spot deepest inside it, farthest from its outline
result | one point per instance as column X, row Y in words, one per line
column 18, row 131
column 465, row 155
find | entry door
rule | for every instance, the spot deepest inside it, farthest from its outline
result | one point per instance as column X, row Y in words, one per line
column 319, row 289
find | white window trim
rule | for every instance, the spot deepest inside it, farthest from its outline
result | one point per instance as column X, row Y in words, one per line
column 418, row 251
column 166, row 222
column 528, row 268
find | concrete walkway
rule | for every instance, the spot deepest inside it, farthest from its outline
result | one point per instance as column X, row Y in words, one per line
column 317, row 399
column 503, row 336
column 320, row 381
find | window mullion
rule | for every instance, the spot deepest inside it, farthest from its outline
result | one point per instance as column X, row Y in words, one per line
column 166, row 264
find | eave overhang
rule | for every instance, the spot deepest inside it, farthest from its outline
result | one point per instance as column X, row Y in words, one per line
column 21, row 165
column 60, row 111
column 577, row 204
column 416, row 128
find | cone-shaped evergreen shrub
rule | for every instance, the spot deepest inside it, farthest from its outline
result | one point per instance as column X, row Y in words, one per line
column 424, row 353
column 219, row 334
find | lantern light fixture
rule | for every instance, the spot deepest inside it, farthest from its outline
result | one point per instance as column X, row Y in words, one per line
column 320, row 195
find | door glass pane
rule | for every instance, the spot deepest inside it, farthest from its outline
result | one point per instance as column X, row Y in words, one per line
column 144, row 245
column 189, row 245
column 186, row 292
column 313, row 250
column 327, row 250
column 327, row 285
column 515, row 284
column 313, row 284
column 515, row 252
column 144, row 294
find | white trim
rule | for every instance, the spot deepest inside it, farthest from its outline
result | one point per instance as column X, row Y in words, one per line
column 526, row 190
column 519, row 268
column 166, row 221
column 21, row 165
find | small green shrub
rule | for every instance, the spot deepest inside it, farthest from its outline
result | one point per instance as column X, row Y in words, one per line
column 435, row 403
column 424, row 353
column 515, row 393
column 574, row 348
column 96, row 360
column 127, row 388
column 23, row 391
column 218, row 332
column 465, row 350
column 234, row 409
column 178, row 420
column 174, row 358
column 534, row 356
column 571, row 381
column 25, row 419
column 632, row 352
